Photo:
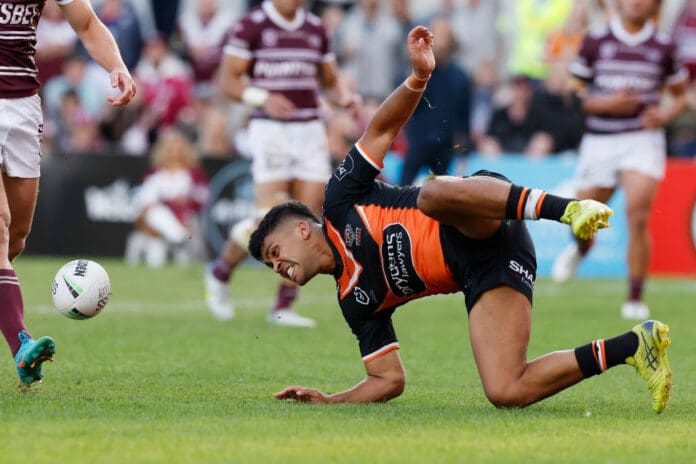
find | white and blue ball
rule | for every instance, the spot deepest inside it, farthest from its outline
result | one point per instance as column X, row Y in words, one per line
column 81, row 289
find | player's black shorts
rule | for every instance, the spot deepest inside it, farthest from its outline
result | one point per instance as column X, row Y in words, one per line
column 506, row 258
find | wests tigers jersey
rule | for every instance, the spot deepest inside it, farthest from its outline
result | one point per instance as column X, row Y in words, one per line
column 387, row 251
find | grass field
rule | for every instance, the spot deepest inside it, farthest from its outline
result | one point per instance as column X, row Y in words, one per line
column 156, row 379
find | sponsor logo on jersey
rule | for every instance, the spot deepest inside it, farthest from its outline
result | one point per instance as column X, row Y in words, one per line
column 345, row 168
column 398, row 262
column 521, row 271
column 16, row 14
column 352, row 237
column 361, row 296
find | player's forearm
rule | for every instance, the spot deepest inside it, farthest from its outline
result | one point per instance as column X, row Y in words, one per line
column 391, row 116
column 371, row 390
column 677, row 107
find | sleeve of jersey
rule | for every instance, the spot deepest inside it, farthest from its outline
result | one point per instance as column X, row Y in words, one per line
column 239, row 39
column 352, row 179
column 676, row 71
column 581, row 66
column 376, row 336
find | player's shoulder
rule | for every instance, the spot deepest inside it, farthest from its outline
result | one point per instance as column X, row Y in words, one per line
column 313, row 19
column 255, row 16
column 663, row 39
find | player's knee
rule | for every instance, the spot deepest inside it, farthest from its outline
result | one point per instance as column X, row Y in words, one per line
column 430, row 198
column 16, row 247
column 505, row 396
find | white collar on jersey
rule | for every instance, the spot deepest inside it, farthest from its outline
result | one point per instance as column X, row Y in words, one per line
column 631, row 39
column 278, row 19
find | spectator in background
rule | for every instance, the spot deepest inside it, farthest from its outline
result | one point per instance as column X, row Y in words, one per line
column 534, row 21
column 164, row 15
column 620, row 73
column 55, row 40
column 440, row 124
column 77, row 130
column 167, row 88
column 276, row 60
column 169, row 200
column 683, row 129
column 518, row 127
column 476, row 33
column 366, row 44
column 203, row 33
column 122, row 20
column 86, row 78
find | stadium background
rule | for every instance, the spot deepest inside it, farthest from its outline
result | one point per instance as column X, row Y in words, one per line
column 86, row 199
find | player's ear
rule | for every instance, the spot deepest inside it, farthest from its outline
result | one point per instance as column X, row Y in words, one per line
column 304, row 228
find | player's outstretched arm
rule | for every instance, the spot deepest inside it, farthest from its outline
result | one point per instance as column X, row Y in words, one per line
column 393, row 113
column 385, row 380
column 101, row 46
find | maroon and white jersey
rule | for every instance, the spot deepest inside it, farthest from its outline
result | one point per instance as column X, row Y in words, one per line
column 613, row 60
column 18, row 21
column 285, row 56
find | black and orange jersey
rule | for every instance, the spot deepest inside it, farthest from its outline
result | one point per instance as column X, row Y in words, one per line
column 387, row 251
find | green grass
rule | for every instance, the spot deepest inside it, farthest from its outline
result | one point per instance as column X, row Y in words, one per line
column 156, row 379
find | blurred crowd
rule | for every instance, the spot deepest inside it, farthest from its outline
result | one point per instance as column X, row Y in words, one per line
column 502, row 88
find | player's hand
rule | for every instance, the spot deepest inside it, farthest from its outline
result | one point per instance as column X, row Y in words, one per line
column 302, row 394
column 121, row 79
column 623, row 103
column 652, row 117
column 350, row 100
column 278, row 106
column 420, row 51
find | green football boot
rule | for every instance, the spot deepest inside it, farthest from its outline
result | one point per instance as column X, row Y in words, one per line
column 585, row 217
column 650, row 360
column 32, row 353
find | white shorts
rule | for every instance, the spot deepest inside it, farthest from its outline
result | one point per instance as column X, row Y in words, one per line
column 21, row 126
column 288, row 151
column 604, row 157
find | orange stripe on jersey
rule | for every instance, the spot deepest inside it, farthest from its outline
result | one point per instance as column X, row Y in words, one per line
column 381, row 352
column 363, row 151
column 426, row 249
column 351, row 267
column 594, row 353
column 520, row 203
column 539, row 203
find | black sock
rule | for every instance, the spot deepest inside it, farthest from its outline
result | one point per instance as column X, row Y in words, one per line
column 542, row 205
column 553, row 207
column 598, row 356
column 516, row 200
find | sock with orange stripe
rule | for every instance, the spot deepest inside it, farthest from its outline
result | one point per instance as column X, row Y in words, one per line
column 533, row 204
column 598, row 356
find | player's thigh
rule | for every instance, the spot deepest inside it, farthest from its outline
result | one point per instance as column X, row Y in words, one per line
column 271, row 193
column 499, row 329
column 269, row 147
column 640, row 191
column 595, row 193
column 309, row 193
column 309, row 147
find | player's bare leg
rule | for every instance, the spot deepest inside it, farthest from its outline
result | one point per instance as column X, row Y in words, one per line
column 499, row 327
column 566, row 264
column 456, row 201
column 640, row 193
column 18, row 196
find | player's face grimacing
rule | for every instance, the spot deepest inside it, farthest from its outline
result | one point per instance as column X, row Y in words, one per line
column 287, row 252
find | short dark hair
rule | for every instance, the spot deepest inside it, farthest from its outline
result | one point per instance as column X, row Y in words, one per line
column 273, row 218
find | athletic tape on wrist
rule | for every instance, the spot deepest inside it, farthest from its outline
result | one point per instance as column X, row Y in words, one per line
column 416, row 84
column 254, row 96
